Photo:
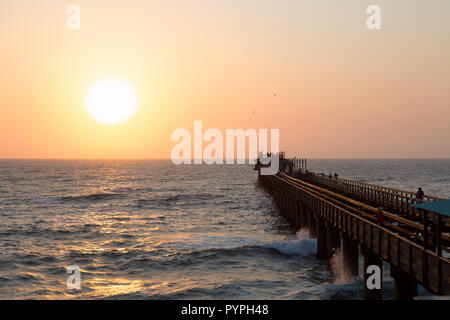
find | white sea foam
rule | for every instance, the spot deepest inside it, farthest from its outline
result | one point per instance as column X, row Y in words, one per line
column 298, row 245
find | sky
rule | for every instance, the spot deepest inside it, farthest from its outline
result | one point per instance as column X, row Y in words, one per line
column 311, row 69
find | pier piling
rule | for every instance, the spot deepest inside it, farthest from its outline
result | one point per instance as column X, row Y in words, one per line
column 333, row 240
column 411, row 241
column 405, row 288
column 312, row 223
column 350, row 256
column 322, row 253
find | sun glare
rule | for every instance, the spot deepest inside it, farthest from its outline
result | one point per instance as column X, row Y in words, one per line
column 111, row 101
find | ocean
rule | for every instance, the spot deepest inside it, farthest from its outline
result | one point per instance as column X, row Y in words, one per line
column 152, row 230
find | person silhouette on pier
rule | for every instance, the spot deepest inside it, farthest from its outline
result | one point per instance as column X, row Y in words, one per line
column 335, row 176
column 380, row 216
column 420, row 194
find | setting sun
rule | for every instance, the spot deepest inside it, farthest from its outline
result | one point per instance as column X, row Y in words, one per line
column 111, row 101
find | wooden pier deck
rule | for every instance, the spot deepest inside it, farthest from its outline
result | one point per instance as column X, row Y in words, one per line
column 414, row 242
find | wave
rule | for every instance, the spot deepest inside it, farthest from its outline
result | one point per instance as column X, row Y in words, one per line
column 208, row 253
column 93, row 197
column 350, row 290
column 39, row 231
column 214, row 291
column 166, row 201
column 303, row 247
column 190, row 196
column 28, row 277
column 299, row 245
column 257, row 289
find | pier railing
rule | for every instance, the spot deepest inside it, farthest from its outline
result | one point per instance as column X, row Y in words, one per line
column 397, row 199
column 384, row 196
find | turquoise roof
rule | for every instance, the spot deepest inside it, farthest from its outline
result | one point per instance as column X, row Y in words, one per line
column 441, row 206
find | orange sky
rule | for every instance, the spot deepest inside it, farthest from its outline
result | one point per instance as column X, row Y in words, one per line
column 341, row 89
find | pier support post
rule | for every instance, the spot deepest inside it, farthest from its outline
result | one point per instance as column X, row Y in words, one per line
column 286, row 206
column 405, row 288
column 312, row 223
column 304, row 217
column 289, row 208
column 295, row 214
column 301, row 222
column 300, row 215
column 283, row 204
column 280, row 202
column 333, row 240
column 321, row 240
column 371, row 259
column 350, row 256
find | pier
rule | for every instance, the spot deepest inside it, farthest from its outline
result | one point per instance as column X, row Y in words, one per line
column 344, row 215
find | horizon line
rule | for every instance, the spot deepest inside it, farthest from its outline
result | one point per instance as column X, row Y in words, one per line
column 246, row 159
